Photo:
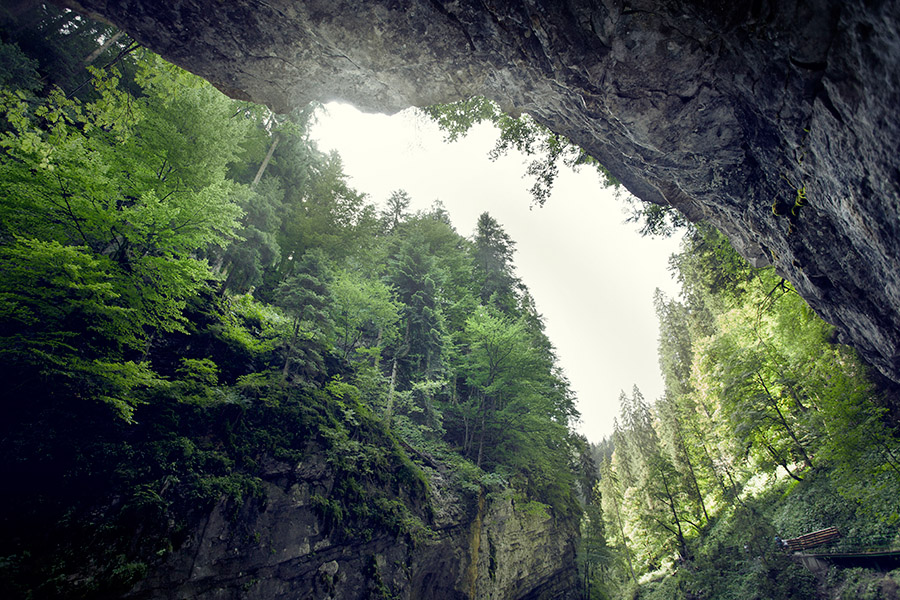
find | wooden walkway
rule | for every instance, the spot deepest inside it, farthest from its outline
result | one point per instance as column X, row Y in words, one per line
column 882, row 560
column 873, row 558
column 811, row 540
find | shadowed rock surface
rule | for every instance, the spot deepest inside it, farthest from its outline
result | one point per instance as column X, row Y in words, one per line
column 479, row 547
column 723, row 110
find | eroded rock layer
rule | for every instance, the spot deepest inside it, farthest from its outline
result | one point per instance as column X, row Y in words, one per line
column 477, row 546
column 729, row 111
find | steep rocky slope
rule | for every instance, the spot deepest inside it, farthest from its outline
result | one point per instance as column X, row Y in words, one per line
column 476, row 547
column 738, row 113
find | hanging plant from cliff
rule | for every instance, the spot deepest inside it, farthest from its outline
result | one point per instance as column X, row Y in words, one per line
column 546, row 149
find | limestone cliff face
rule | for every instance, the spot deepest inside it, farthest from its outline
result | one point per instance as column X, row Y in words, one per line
column 519, row 555
column 482, row 549
column 730, row 111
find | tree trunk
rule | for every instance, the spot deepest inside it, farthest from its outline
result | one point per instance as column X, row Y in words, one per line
column 109, row 42
column 678, row 438
column 290, row 351
column 670, row 500
column 622, row 534
column 690, row 466
column 481, row 436
column 389, row 409
column 781, row 461
column 790, row 431
column 265, row 162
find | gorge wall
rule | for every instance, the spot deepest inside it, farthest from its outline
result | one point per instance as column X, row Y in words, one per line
column 486, row 547
column 731, row 112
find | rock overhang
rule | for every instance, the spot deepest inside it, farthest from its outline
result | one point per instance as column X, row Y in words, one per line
column 719, row 110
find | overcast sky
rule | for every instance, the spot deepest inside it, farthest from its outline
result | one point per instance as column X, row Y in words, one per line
column 592, row 275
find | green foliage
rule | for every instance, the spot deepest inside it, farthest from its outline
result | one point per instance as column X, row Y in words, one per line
column 365, row 315
column 105, row 205
column 522, row 133
column 252, row 328
column 863, row 584
column 61, row 312
column 414, row 274
column 17, row 70
column 493, row 257
column 255, row 247
column 321, row 212
column 655, row 219
column 192, row 293
column 766, row 429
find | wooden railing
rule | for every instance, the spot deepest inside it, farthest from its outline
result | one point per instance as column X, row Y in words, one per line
column 811, row 540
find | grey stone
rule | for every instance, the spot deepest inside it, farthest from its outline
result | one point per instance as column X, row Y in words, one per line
column 486, row 548
column 719, row 109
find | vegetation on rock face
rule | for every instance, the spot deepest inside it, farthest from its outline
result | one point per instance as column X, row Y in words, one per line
column 547, row 150
column 190, row 291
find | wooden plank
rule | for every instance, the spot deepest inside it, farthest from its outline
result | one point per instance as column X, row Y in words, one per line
column 816, row 538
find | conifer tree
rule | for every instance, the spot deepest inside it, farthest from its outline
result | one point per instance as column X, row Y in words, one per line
column 493, row 253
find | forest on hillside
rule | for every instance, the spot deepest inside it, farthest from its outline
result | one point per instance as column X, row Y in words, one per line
column 768, row 430
column 190, row 288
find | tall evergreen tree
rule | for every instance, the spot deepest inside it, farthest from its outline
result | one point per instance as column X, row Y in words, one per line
column 414, row 274
column 306, row 297
column 493, row 253
column 396, row 210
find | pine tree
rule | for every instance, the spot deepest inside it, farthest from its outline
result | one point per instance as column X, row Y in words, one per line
column 493, row 253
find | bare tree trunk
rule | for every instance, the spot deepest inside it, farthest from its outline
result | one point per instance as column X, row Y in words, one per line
column 467, row 441
column 690, row 466
column 784, row 423
column 265, row 162
column 109, row 42
column 481, row 440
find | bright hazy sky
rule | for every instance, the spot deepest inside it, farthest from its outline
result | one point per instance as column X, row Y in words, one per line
column 591, row 274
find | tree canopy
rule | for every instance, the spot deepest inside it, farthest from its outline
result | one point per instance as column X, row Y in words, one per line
column 191, row 288
column 192, row 292
column 767, row 428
